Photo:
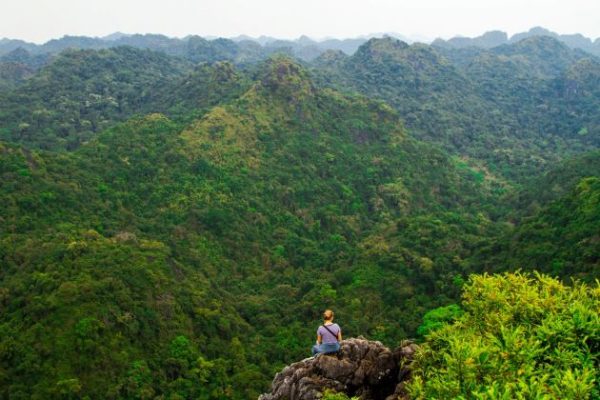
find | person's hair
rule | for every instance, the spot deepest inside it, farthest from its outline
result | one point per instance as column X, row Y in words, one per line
column 328, row 315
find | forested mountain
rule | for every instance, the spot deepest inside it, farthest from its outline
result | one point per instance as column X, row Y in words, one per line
column 530, row 101
column 226, row 234
column 496, row 38
column 175, row 218
column 18, row 65
column 509, row 106
column 22, row 56
column 82, row 92
column 557, row 216
column 8, row 45
column 193, row 48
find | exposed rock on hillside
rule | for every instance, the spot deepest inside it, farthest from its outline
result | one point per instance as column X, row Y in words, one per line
column 362, row 368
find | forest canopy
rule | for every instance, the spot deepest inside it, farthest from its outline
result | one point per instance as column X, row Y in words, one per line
column 174, row 223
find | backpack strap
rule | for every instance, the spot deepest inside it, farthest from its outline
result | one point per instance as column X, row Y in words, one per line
column 329, row 330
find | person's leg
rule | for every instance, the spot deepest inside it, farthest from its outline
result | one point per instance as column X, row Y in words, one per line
column 329, row 348
column 315, row 349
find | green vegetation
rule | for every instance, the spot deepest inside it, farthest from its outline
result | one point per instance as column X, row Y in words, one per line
column 80, row 93
column 12, row 74
column 337, row 396
column 558, row 215
column 562, row 238
column 228, row 234
column 520, row 337
column 437, row 317
column 519, row 107
column 171, row 230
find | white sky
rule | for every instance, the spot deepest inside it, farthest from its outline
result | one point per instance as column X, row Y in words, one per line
column 41, row 20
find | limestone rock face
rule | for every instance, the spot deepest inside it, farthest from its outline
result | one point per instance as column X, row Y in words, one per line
column 362, row 368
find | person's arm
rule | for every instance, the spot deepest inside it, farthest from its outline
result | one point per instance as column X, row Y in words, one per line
column 319, row 339
column 340, row 335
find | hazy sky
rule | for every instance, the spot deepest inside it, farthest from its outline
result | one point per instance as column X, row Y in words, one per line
column 41, row 20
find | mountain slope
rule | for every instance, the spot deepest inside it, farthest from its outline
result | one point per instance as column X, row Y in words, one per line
column 552, row 223
column 560, row 237
column 497, row 105
column 80, row 93
column 12, row 74
column 193, row 261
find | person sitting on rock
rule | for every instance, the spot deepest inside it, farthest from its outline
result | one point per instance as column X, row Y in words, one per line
column 329, row 335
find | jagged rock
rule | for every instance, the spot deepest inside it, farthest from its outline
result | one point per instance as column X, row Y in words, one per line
column 362, row 368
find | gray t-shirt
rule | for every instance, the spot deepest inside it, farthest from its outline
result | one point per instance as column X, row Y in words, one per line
column 326, row 336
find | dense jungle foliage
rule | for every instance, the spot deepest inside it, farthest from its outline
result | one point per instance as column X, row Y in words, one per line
column 519, row 107
column 519, row 337
column 173, row 230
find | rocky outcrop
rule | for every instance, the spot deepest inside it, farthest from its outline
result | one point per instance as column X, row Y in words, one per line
column 362, row 368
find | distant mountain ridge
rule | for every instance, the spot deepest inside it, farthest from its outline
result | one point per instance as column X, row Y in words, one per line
column 347, row 45
column 497, row 38
column 303, row 47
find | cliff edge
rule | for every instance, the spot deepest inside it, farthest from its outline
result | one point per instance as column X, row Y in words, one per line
column 362, row 368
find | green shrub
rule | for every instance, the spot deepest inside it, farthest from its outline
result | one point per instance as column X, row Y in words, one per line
column 521, row 337
column 329, row 395
column 437, row 317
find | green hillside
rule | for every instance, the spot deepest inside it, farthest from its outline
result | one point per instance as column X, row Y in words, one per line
column 172, row 226
column 164, row 255
column 552, row 224
column 519, row 107
column 81, row 93
column 562, row 237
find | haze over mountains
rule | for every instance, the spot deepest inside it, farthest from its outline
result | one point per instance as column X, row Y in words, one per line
column 303, row 47
column 497, row 38
column 176, row 213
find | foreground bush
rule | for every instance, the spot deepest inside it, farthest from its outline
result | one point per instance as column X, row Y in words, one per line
column 521, row 337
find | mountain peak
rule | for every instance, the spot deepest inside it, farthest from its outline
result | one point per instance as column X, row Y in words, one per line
column 545, row 46
column 541, row 40
column 418, row 57
column 541, row 56
column 330, row 58
column 115, row 36
column 533, row 45
column 306, row 41
column 282, row 75
column 540, row 31
column 384, row 44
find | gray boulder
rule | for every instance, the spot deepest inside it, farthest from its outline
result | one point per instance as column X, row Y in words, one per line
column 362, row 368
